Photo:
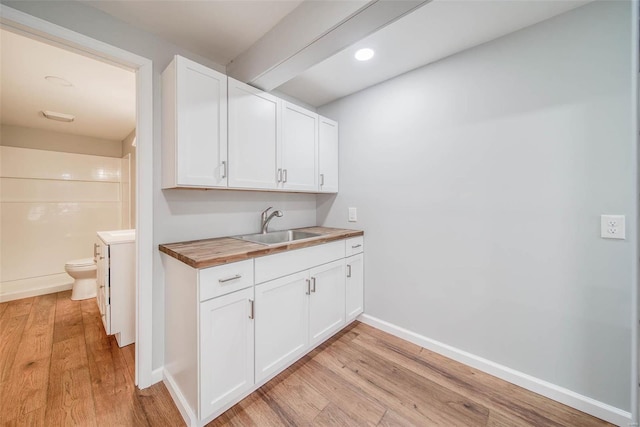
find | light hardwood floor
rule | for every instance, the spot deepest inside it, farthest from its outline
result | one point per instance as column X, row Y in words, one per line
column 57, row 367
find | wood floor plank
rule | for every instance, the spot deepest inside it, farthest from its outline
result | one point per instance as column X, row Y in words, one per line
column 11, row 329
column 158, row 406
column 3, row 308
column 332, row 415
column 521, row 405
column 114, row 394
column 357, row 405
column 21, row 307
column 360, row 377
column 25, row 388
column 412, row 397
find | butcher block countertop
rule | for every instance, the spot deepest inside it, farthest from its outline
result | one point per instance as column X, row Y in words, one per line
column 224, row 250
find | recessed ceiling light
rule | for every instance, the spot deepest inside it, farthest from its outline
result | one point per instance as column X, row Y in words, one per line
column 59, row 81
column 364, row 54
column 61, row 117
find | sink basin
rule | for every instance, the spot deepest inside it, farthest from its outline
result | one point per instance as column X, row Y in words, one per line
column 277, row 237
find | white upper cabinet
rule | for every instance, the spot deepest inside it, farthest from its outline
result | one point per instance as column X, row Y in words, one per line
column 254, row 137
column 194, row 120
column 299, row 148
column 328, row 155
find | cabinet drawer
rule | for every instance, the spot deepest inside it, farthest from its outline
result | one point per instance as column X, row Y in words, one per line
column 353, row 246
column 223, row 279
column 280, row 265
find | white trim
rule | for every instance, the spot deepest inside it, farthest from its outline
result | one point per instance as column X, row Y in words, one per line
column 582, row 403
column 180, row 401
column 635, row 357
column 52, row 33
column 34, row 286
column 157, row 375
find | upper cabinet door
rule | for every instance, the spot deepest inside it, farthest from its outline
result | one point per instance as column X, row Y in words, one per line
column 328, row 155
column 254, row 134
column 299, row 149
column 194, row 125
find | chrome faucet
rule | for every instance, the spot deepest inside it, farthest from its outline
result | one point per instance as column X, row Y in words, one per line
column 266, row 218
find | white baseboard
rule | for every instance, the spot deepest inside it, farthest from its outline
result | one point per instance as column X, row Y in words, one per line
column 181, row 403
column 157, row 375
column 34, row 286
column 567, row 397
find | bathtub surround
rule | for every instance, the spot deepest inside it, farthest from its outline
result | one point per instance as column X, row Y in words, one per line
column 51, row 205
column 499, row 162
column 18, row 136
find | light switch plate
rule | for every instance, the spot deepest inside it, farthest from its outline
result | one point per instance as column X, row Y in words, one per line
column 353, row 215
column 612, row 227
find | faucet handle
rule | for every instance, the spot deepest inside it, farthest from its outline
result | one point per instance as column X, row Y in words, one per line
column 267, row 210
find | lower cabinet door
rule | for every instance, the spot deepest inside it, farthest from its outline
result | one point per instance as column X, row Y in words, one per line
column 326, row 303
column 226, row 349
column 281, row 323
column 355, row 286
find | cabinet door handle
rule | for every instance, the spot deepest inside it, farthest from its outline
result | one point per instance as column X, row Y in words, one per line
column 355, row 246
column 321, row 179
column 313, row 280
column 237, row 276
column 279, row 175
column 224, row 170
column 284, row 175
column 348, row 270
column 95, row 250
column 308, row 286
column 251, row 309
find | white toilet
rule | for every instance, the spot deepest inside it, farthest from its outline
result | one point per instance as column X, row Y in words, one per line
column 83, row 272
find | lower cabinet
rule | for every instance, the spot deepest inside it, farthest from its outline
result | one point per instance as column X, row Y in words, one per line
column 354, row 286
column 226, row 349
column 326, row 301
column 225, row 335
column 282, row 319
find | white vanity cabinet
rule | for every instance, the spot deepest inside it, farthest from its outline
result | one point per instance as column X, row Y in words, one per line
column 116, row 283
column 194, row 120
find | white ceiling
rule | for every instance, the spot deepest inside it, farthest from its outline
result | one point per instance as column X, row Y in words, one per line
column 102, row 98
column 219, row 30
column 437, row 30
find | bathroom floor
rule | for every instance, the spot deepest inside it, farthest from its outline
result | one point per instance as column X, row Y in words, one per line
column 57, row 367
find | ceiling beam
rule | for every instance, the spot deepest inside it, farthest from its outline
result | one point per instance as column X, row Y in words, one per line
column 313, row 32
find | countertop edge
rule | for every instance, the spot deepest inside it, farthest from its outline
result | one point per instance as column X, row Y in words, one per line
column 221, row 259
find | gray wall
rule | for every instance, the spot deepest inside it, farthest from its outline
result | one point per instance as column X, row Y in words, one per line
column 479, row 181
column 178, row 214
column 40, row 139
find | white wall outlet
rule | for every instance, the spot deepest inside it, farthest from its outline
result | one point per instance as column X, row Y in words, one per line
column 612, row 227
column 353, row 215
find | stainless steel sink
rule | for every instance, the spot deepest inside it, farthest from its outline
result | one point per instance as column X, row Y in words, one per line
column 277, row 237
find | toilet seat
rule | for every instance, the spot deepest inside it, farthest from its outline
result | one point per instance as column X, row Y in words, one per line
column 84, row 262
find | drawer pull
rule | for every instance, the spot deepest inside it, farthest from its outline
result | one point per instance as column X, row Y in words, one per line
column 279, row 175
column 251, row 308
column 308, row 286
column 321, row 179
column 284, row 175
column 356, row 246
column 223, row 170
column 348, row 270
column 313, row 280
column 236, row 277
